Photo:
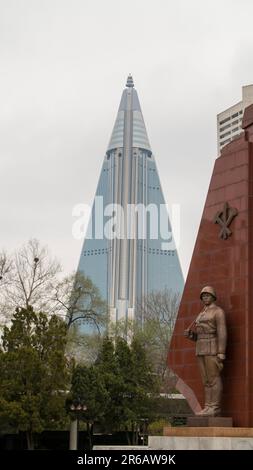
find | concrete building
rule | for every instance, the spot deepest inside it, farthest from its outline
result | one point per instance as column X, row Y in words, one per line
column 124, row 253
column 229, row 122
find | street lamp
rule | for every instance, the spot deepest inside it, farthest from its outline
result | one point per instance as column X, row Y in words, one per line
column 76, row 409
column 143, row 429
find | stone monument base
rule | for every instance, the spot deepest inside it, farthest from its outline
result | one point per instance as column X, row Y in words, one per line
column 209, row 421
column 203, row 438
column 199, row 443
column 185, row 431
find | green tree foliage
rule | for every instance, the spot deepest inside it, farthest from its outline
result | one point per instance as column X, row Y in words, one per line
column 119, row 389
column 87, row 390
column 109, row 371
column 130, row 383
column 156, row 428
column 153, row 326
column 33, row 373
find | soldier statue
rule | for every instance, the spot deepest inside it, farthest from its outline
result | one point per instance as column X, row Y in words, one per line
column 210, row 333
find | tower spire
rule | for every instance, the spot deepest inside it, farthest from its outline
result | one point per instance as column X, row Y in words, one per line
column 130, row 82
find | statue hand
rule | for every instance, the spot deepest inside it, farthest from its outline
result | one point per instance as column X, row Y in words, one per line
column 190, row 334
column 221, row 357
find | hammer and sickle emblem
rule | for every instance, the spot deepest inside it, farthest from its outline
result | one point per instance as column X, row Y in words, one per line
column 224, row 219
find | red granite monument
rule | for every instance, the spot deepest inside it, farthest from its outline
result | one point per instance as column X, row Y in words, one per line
column 223, row 258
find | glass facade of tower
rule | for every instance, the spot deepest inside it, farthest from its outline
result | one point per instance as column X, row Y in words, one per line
column 126, row 255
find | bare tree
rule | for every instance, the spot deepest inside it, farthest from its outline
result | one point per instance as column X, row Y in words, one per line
column 6, row 268
column 160, row 305
column 6, row 272
column 156, row 314
column 31, row 274
column 83, row 347
column 30, row 277
column 79, row 301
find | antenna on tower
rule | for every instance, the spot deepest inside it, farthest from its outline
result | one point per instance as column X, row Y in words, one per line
column 130, row 82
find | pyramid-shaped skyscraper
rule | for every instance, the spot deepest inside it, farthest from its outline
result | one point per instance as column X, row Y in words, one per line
column 129, row 250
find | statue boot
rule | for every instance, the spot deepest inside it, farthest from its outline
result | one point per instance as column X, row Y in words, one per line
column 208, row 402
column 214, row 407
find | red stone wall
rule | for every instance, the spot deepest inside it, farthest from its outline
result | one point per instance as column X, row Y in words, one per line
column 227, row 265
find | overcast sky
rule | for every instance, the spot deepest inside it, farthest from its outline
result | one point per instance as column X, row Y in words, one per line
column 64, row 65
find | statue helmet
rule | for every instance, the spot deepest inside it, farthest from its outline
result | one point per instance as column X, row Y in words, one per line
column 208, row 290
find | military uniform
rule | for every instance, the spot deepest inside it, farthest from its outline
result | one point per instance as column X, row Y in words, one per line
column 211, row 337
column 211, row 331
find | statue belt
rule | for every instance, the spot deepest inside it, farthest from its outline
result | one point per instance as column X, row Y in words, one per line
column 206, row 335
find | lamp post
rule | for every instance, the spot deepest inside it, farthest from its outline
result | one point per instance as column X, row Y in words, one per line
column 143, row 429
column 76, row 408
